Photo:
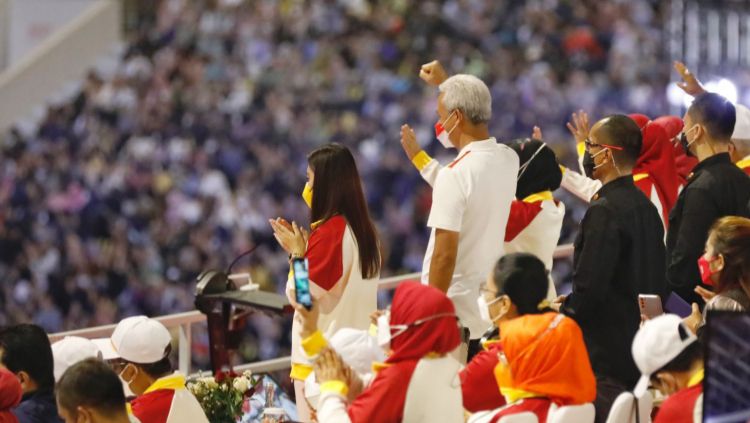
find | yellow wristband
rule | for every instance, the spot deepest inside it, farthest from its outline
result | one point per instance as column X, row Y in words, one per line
column 314, row 343
column 580, row 148
column 335, row 386
column 563, row 169
column 300, row 371
column 421, row 160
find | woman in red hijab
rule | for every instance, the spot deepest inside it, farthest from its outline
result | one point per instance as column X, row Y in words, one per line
column 422, row 324
column 10, row 395
column 655, row 172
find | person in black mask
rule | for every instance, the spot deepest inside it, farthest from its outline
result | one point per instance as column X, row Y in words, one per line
column 536, row 217
column 619, row 253
column 716, row 188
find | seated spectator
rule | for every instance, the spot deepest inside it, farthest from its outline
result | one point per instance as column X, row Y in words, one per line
column 25, row 351
column 70, row 350
column 10, row 395
column 358, row 349
column 423, row 330
column 670, row 358
column 516, row 287
column 536, row 217
column 724, row 265
column 90, row 391
column 542, row 359
column 141, row 347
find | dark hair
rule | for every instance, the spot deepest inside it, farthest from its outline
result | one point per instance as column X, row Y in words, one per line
column 337, row 189
column 26, row 348
column 91, row 383
column 159, row 369
column 716, row 114
column 622, row 131
column 685, row 359
column 523, row 278
column 731, row 239
column 542, row 173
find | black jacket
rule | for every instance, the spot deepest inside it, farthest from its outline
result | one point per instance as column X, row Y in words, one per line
column 715, row 189
column 37, row 407
column 619, row 253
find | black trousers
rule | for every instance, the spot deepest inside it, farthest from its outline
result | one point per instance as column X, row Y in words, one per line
column 607, row 390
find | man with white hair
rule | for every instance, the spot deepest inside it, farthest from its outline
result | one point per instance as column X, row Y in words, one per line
column 471, row 196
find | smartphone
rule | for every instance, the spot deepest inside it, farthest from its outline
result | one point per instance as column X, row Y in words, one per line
column 650, row 305
column 301, row 283
column 675, row 304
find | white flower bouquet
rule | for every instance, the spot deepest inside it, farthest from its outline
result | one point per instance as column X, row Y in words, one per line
column 222, row 396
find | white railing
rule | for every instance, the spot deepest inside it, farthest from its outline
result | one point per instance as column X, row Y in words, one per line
column 183, row 323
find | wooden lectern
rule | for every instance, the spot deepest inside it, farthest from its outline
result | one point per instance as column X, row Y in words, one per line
column 226, row 309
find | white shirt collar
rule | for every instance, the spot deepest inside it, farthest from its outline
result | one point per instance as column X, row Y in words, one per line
column 479, row 145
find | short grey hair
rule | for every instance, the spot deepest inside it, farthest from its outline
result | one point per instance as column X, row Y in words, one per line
column 468, row 94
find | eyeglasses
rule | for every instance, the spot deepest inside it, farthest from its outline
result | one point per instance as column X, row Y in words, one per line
column 488, row 293
column 590, row 144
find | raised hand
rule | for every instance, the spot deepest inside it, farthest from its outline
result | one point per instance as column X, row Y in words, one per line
column 409, row 141
column 690, row 84
column 536, row 133
column 291, row 238
column 307, row 319
column 329, row 366
column 695, row 318
column 433, row 73
column 579, row 126
column 704, row 293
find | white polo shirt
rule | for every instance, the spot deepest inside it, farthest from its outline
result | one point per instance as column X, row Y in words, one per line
column 472, row 196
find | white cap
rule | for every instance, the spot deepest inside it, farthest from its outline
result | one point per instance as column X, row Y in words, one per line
column 70, row 350
column 357, row 348
column 742, row 124
column 658, row 342
column 137, row 339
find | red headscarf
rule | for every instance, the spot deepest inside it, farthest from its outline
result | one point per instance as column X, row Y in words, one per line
column 384, row 400
column 684, row 163
column 657, row 159
column 414, row 302
column 640, row 119
column 546, row 356
column 10, row 395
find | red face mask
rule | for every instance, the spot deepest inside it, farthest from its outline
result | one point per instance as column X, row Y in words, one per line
column 704, row 266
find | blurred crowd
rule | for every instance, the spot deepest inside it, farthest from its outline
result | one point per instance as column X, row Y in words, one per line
column 173, row 163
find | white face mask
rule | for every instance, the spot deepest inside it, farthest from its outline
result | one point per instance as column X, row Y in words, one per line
column 484, row 309
column 443, row 134
column 384, row 335
column 384, row 331
column 125, row 384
